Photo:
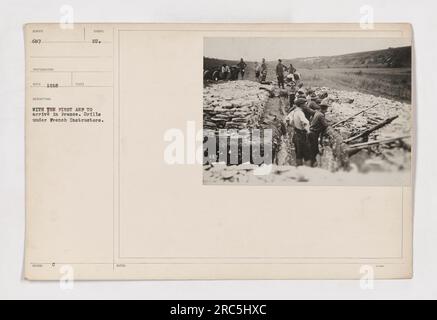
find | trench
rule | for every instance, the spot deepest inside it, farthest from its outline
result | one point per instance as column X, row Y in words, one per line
column 274, row 116
column 270, row 114
column 284, row 153
column 283, row 150
column 335, row 153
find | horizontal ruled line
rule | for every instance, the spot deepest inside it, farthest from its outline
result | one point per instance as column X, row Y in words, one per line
column 71, row 87
column 211, row 263
column 71, row 57
column 70, row 71
column 79, row 42
column 262, row 258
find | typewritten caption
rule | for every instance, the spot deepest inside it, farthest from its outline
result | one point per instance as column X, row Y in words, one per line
column 66, row 115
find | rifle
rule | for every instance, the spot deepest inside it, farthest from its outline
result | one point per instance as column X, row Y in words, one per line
column 353, row 116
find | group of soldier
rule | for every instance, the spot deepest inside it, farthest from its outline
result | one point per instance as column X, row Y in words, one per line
column 236, row 72
column 305, row 114
column 306, row 109
column 233, row 73
column 261, row 71
column 307, row 118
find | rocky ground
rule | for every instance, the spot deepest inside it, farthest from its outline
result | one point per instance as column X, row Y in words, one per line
column 233, row 105
column 380, row 158
column 290, row 175
column 243, row 104
column 347, row 103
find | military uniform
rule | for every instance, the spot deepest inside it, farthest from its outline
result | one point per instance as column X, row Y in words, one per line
column 242, row 68
column 300, row 124
column 309, row 113
column 257, row 72
column 318, row 126
column 280, row 74
column 263, row 72
column 291, row 96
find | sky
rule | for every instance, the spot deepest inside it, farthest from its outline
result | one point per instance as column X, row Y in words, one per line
column 254, row 49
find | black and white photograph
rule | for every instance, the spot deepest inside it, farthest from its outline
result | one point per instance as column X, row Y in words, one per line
column 308, row 111
column 218, row 159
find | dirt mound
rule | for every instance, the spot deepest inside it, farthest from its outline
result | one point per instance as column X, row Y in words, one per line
column 233, row 105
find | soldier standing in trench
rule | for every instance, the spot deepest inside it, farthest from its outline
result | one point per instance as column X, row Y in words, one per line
column 301, row 127
column 314, row 101
column 306, row 107
column 291, row 95
column 317, row 128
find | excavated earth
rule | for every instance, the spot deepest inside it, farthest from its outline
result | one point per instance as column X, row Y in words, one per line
column 250, row 105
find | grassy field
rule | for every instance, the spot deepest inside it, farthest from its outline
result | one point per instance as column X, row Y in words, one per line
column 393, row 83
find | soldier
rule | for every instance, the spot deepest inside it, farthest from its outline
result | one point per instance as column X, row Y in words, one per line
column 299, row 85
column 225, row 71
column 317, row 128
column 234, row 72
column 301, row 127
column 309, row 113
column 312, row 102
column 280, row 74
column 257, row 71
column 242, row 67
column 291, row 95
column 301, row 94
column 291, row 70
column 263, row 70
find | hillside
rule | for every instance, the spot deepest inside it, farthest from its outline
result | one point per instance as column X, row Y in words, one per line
column 389, row 58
